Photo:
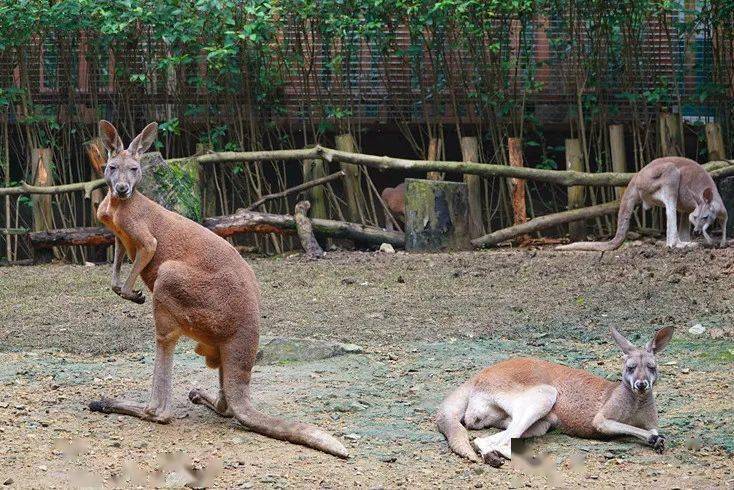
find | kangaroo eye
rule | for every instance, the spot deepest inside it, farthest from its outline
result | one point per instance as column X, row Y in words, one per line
column 135, row 169
column 111, row 167
column 705, row 217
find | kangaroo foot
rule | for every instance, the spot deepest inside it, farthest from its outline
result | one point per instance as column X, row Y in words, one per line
column 135, row 295
column 124, row 407
column 657, row 443
column 217, row 405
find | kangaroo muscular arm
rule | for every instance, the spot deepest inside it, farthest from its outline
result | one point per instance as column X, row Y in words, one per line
column 145, row 249
column 613, row 428
column 117, row 264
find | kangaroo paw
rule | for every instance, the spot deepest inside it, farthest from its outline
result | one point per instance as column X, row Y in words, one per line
column 657, row 442
column 494, row 459
column 136, row 296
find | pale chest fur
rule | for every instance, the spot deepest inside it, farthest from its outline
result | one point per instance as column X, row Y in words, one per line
column 107, row 215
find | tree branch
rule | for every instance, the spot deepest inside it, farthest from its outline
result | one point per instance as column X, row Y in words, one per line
column 293, row 190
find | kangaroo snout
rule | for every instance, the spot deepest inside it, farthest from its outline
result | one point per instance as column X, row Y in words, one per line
column 122, row 190
column 642, row 385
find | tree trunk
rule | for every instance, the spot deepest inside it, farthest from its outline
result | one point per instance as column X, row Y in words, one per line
column 96, row 154
column 576, row 194
column 470, row 153
column 435, row 145
column 671, row 140
column 42, row 208
column 436, row 216
column 305, row 231
column 352, row 182
column 714, row 141
column 619, row 155
column 518, row 185
column 314, row 169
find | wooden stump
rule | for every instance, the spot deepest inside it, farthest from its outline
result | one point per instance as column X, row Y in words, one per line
column 726, row 189
column 669, row 135
column 97, row 156
column 305, row 231
column 352, row 182
column 577, row 193
column 714, row 141
column 619, row 154
column 470, row 153
column 436, row 216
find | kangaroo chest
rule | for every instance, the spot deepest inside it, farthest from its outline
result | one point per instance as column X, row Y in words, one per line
column 106, row 213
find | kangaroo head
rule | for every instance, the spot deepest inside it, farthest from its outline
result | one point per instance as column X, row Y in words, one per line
column 122, row 171
column 705, row 212
column 639, row 369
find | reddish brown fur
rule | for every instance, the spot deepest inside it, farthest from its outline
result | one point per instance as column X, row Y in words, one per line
column 394, row 197
column 201, row 287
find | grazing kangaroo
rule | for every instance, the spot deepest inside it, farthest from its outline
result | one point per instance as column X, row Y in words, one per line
column 201, row 288
column 394, row 197
column 526, row 397
column 678, row 184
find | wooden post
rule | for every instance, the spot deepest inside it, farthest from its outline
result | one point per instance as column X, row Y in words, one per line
column 671, row 140
column 714, row 141
column 312, row 170
column 305, row 231
column 96, row 155
column 619, row 156
column 352, row 184
column 519, row 212
column 576, row 194
column 470, row 153
column 435, row 145
column 436, row 216
column 207, row 183
column 42, row 208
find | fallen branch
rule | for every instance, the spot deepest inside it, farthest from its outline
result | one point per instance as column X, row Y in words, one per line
column 241, row 222
column 294, row 190
column 305, row 231
column 547, row 221
column 253, row 222
column 26, row 188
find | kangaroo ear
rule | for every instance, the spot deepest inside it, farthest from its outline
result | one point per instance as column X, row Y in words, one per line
column 661, row 339
column 110, row 139
column 708, row 195
column 624, row 344
column 144, row 140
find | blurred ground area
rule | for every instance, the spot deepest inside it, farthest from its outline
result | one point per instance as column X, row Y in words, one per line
column 425, row 323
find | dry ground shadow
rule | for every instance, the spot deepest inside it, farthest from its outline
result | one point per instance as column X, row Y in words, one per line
column 426, row 323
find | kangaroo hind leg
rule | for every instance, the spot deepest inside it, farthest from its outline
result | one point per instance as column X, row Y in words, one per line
column 218, row 404
column 525, row 409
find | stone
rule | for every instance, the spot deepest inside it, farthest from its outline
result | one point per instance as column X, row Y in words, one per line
column 282, row 350
column 387, row 248
column 697, row 329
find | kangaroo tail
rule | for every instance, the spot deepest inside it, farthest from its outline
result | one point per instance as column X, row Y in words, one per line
column 449, row 423
column 284, row 430
column 626, row 208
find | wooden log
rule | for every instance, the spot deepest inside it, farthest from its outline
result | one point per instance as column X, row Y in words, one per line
column 240, row 222
column 207, row 182
column 726, row 189
column 669, row 135
column 576, row 194
column 435, row 146
column 519, row 212
column 714, row 141
column 43, row 218
column 305, row 231
column 544, row 222
column 352, row 183
column 470, row 153
column 293, row 190
column 619, row 155
column 436, row 216
column 97, row 156
column 313, row 170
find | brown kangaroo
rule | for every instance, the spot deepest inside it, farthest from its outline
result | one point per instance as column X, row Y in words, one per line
column 678, row 184
column 394, row 197
column 526, row 397
column 201, row 288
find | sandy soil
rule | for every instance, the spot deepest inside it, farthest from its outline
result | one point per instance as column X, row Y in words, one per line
column 425, row 322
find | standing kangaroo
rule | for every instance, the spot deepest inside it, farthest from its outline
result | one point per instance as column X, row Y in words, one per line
column 201, row 288
column 526, row 397
column 678, row 184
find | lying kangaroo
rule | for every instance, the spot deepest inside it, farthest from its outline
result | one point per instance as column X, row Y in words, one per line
column 678, row 184
column 201, row 288
column 394, row 197
column 526, row 397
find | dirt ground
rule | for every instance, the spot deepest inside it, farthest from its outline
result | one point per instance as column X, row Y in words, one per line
column 425, row 323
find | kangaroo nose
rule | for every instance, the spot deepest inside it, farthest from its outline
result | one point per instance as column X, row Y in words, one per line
column 642, row 385
column 122, row 188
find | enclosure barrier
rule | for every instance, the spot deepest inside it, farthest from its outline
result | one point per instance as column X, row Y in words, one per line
column 246, row 221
